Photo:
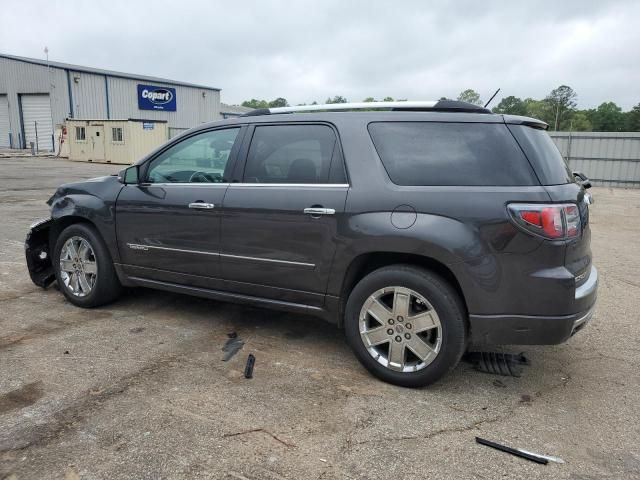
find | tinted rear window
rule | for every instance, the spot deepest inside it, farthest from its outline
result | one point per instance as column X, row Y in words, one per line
column 543, row 155
column 290, row 154
column 430, row 153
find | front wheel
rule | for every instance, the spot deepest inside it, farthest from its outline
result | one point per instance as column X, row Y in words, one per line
column 84, row 268
column 406, row 325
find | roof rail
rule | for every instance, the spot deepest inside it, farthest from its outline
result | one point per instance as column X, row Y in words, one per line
column 406, row 106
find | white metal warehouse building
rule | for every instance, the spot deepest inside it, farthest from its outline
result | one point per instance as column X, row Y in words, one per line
column 36, row 96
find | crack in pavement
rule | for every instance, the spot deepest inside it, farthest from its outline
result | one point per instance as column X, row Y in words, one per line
column 65, row 420
column 509, row 412
column 263, row 430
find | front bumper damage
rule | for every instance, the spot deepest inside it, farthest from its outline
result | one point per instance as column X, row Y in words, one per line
column 37, row 252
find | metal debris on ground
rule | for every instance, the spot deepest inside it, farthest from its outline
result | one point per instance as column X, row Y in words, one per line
column 497, row 363
column 518, row 452
column 231, row 346
column 248, row 370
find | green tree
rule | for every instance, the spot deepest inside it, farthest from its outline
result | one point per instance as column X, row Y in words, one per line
column 387, row 99
column 369, row 100
column 538, row 109
column 579, row 122
column 278, row 102
column 254, row 103
column 562, row 101
column 632, row 123
column 511, row 105
column 470, row 96
column 608, row 118
column 336, row 99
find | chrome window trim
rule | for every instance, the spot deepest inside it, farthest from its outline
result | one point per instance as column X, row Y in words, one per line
column 182, row 184
column 241, row 184
column 136, row 246
column 280, row 185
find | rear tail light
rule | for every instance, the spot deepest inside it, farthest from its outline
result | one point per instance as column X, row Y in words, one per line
column 556, row 221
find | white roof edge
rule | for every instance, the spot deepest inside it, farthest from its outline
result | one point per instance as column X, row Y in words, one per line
column 101, row 71
column 356, row 106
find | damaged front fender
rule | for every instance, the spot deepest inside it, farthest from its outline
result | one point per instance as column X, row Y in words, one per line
column 37, row 252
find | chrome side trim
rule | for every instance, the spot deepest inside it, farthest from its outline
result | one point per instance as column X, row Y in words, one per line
column 280, row 185
column 135, row 246
column 269, row 260
column 588, row 287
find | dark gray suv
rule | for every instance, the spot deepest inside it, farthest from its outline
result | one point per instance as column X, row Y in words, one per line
column 418, row 227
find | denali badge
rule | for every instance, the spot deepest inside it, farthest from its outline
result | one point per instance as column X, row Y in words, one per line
column 134, row 246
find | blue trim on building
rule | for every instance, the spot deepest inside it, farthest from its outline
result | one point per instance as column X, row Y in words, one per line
column 106, row 92
column 23, row 140
column 70, row 94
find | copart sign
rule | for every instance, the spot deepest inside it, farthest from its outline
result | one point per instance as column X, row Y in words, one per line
column 151, row 97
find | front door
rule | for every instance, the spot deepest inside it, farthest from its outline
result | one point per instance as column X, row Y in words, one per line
column 96, row 139
column 280, row 223
column 168, row 227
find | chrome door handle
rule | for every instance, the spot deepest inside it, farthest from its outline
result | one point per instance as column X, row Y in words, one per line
column 319, row 211
column 201, row 205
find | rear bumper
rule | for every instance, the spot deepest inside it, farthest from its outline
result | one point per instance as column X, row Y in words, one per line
column 535, row 330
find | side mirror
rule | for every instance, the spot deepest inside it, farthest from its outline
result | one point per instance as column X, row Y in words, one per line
column 582, row 179
column 130, row 176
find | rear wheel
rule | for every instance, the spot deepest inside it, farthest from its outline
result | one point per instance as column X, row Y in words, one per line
column 406, row 325
column 84, row 268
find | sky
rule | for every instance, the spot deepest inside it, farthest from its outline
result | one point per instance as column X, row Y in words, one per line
column 310, row 50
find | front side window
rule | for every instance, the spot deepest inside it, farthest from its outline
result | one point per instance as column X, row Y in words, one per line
column 201, row 158
column 80, row 134
column 290, row 154
column 116, row 134
column 439, row 153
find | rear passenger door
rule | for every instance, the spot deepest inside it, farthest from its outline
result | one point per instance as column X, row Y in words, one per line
column 280, row 222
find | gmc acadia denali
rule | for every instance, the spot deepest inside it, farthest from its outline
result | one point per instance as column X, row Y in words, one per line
column 418, row 227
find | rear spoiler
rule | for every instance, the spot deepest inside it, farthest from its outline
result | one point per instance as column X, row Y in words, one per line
column 528, row 121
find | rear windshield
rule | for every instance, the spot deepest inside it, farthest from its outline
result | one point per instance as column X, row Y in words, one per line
column 431, row 153
column 543, row 155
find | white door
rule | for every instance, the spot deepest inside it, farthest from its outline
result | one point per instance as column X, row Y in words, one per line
column 36, row 119
column 4, row 122
column 96, row 138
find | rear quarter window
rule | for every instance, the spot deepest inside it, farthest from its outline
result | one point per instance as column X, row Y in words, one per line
column 432, row 153
column 543, row 155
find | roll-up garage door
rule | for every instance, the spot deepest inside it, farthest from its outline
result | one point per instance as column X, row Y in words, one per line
column 36, row 118
column 4, row 122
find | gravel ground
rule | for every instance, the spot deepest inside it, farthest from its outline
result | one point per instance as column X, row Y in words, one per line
column 138, row 389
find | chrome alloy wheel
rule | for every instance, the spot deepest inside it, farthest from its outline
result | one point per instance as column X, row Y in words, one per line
column 400, row 329
column 78, row 266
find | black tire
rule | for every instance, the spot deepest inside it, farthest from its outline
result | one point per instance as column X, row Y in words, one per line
column 445, row 301
column 106, row 286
